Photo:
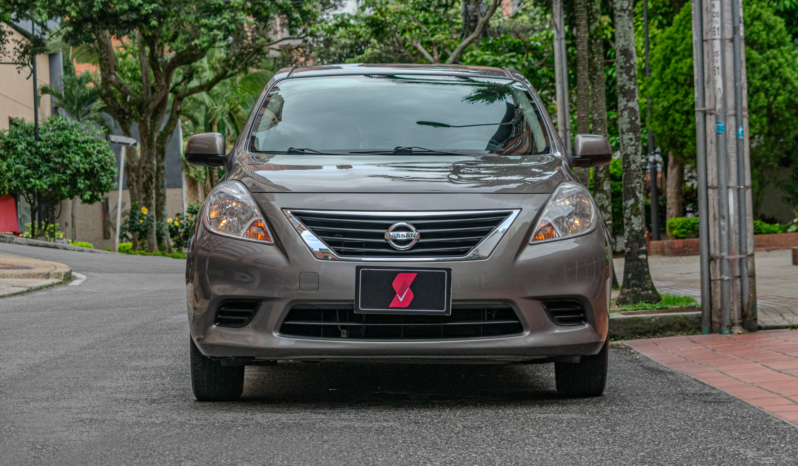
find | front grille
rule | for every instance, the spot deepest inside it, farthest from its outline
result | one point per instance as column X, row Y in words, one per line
column 566, row 311
column 363, row 234
column 236, row 313
column 340, row 321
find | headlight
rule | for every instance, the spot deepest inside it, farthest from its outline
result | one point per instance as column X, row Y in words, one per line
column 568, row 213
column 232, row 212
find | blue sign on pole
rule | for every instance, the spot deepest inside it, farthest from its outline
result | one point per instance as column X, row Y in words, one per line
column 740, row 132
column 720, row 128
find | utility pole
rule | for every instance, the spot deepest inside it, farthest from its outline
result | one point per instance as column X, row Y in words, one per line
column 728, row 184
column 652, row 157
column 701, row 165
column 561, row 74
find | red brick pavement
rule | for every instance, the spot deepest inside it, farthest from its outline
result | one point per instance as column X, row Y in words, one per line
column 760, row 368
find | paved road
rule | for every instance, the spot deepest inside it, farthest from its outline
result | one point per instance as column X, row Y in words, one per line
column 98, row 374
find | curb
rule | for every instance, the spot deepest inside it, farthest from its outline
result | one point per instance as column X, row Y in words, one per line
column 46, row 244
column 64, row 281
column 645, row 326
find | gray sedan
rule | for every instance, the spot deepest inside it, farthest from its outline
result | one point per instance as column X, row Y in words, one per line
column 402, row 213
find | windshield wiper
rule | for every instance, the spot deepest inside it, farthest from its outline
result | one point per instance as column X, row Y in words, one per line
column 303, row 150
column 436, row 124
column 406, row 150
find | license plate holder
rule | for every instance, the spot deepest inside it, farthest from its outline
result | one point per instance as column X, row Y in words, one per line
column 403, row 290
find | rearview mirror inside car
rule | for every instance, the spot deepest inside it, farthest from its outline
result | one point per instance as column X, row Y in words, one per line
column 591, row 150
column 206, row 149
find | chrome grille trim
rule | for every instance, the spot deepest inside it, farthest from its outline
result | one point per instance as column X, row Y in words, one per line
column 321, row 251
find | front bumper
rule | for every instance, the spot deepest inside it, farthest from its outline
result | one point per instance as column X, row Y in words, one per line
column 516, row 274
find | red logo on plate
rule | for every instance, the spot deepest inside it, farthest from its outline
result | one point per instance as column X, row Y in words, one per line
column 401, row 284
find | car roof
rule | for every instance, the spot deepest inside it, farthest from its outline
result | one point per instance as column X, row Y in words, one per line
column 364, row 68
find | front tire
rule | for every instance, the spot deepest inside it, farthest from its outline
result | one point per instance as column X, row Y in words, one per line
column 586, row 378
column 213, row 382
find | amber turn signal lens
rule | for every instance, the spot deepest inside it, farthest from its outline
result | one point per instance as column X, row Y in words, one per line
column 257, row 231
column 545, row 231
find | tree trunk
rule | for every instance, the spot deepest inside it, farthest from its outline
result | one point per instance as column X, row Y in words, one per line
column 146, row 173
column 637, row 284
column 582, row 80
column 675, row 184
column 160, row 200
column 602, row 188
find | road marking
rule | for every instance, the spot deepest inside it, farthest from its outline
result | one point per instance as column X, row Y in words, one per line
column 80, row 279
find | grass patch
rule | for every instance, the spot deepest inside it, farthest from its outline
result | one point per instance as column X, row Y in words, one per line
column 173, row 255
column 669, row 301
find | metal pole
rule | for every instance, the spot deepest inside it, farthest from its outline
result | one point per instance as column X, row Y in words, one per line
column 119, row 202
column 652, row 158
column 701, row 165
column 556, row 6
column 742, row 217
column 723, row 174
column 35, row 92
column 565, row 94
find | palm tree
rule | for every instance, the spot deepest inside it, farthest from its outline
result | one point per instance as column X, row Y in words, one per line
column 79, row 99
column 224, row 109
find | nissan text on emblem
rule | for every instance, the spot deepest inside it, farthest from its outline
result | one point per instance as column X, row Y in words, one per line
column 402, row 236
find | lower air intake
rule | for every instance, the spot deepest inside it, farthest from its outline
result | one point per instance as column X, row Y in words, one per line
column 566, row 311
column 340, row 321
column 236, row 313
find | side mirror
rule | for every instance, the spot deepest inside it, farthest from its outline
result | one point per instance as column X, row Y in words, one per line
column 591, row 150
column 206, row 149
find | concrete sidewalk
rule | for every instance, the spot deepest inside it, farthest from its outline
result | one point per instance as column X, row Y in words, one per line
column 20, row 274
column 759, row 368
column 776, row 279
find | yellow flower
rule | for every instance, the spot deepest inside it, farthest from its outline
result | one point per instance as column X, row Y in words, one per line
column 144, row 210
column 168, row 220
column 141, row 221
column 177, row 224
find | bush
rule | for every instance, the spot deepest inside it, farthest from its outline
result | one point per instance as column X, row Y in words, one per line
column 127, row 248
column 762, row 228
column 181, row 229
column 82, row 244
column 792, row 227
column 53, row 231
column 683, row 227
column 139, row 222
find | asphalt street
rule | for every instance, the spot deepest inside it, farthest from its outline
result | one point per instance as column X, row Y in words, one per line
column 98, row 374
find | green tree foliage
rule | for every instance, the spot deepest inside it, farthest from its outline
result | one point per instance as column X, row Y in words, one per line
column 772, row 67
column 523, row 43
column 671, row 88
column 3, row 178
column 170, row 50
column 404, row 31
column 71, row 159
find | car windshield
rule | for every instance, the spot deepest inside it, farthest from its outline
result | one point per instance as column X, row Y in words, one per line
column 401, row 115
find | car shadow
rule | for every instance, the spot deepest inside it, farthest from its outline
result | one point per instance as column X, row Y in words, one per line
column 399, row 384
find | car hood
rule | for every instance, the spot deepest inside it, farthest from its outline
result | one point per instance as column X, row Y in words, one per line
column 538, row 174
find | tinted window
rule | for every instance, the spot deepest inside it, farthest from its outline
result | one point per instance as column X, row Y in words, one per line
column 346, row 113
